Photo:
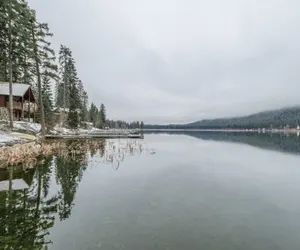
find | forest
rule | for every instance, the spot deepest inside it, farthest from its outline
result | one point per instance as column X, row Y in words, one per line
column 27, row 56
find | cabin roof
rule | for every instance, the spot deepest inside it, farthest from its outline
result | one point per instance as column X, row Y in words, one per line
column 19, row 89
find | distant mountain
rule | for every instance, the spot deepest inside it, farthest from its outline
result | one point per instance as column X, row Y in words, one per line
column 275, row 118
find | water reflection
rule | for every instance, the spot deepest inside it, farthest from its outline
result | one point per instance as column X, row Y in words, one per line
column 30, row 203
column 26, row 213
column 284, row 142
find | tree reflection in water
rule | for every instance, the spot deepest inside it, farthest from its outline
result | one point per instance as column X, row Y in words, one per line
column 28, row 204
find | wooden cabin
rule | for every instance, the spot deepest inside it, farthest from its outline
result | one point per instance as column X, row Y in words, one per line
column 24, row 102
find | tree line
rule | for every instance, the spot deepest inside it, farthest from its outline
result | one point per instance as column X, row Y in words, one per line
column 276, row 119
column 99, row 120
column 26, row 56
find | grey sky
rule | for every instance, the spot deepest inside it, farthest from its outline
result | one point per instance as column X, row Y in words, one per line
column 166, row 61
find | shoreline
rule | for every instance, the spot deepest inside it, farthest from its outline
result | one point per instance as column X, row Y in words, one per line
column 226, row 130
column 34, row 151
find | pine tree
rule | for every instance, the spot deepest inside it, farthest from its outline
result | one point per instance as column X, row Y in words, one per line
column 3, row 42
column 70, row 93
column 63, row 86
column 84, row 110
column 47, row 101
column 49, row 73
column 74, row 98
column 93, row 114
column 26, row 55
column 73, row 117
column 102, row 115
column 22, row 49
column 10, row 52
column 38, row 36
column 83, row 101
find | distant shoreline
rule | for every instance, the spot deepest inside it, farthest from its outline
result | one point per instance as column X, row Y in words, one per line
column 227, row 130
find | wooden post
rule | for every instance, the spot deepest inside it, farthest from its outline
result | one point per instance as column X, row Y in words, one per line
column 29, row 107
column 22, row 108
column 34, row 113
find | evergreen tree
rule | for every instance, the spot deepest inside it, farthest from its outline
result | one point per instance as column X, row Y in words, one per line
column 63, row 86
column 70, row 93
column 49, row 73
column 38, row 35
column 102, row 115
column 10, row 58
column 26, row 52
column 3, row 43
column 73, row 117
column 93, row 114
column 83, row 102
column 74, row 98
column 85, row 106
column 48, row 101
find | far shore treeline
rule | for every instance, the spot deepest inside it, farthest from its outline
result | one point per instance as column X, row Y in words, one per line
column 277, row 119
column 26, row 56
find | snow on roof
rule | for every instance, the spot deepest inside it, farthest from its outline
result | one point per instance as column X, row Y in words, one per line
column 19, row 89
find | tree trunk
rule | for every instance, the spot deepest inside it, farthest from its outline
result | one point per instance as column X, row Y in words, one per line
column 25, row 81
column 42, row 116
column 11, row 117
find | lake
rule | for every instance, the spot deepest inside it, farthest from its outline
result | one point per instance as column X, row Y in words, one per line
column 211, row 191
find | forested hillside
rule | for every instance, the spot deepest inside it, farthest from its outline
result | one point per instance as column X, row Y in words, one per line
column 268, row 119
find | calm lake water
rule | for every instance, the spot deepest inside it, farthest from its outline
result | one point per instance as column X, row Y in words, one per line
column 168, row 191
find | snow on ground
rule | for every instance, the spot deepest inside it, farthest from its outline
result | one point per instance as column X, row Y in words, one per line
column 59, row 130
column 29, row 126
column 8, row 139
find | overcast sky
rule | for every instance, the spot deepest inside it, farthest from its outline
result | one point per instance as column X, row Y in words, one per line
column 176, row 61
